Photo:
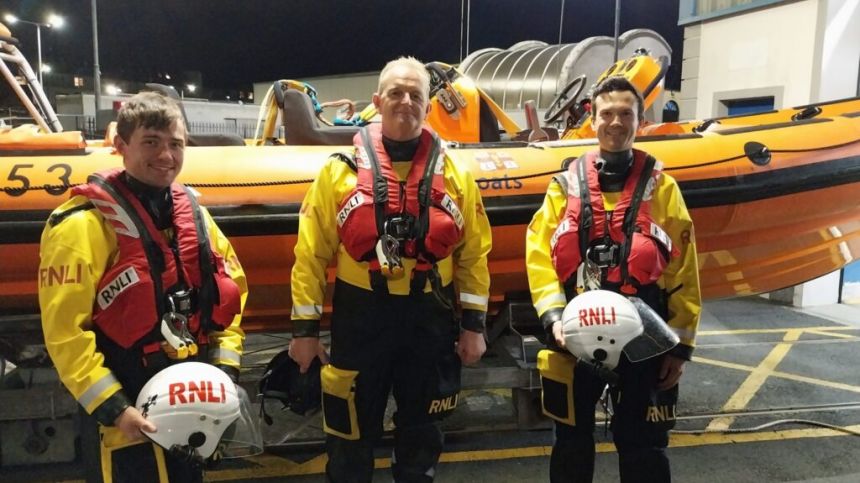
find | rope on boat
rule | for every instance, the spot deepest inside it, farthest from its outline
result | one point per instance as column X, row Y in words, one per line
column 59, row 189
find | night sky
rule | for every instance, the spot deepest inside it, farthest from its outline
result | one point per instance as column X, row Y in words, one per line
column 234, row 43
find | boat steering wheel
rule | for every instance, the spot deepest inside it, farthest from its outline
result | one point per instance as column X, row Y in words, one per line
column 563, row 102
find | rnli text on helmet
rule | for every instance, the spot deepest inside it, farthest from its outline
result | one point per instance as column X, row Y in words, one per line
column 596, row 316
column 202, row 392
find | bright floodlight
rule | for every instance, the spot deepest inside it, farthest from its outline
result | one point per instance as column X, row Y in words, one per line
column 112, row 89
column 191, row 88
column 46, row 68
column 10, row 18
column 56, row 21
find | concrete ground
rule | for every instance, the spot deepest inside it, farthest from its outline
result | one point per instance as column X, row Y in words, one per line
column 772, row 395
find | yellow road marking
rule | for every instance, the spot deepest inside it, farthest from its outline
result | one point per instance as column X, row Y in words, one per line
column 273, row 466
column 772, row 331
column 780, row 374
column 830, row 333
column 754, row 381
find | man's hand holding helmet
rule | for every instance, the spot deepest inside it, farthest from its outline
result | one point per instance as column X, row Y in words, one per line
column 599, row 325
column 199, row 410
column 132, row 423
column 551, row 320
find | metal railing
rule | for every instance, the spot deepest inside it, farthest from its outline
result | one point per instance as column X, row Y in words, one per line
column 90, row 129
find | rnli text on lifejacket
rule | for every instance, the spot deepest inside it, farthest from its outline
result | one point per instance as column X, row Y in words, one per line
column 118, row 285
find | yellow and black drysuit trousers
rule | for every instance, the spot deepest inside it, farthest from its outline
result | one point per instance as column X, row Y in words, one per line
column 641, row 420
column 382, row 343
column 115, row 460
column 640, row 425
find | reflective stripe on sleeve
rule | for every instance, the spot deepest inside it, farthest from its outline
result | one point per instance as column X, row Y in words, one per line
column 550, row 300
column 307, row 310
column 684, row 334
column 473, row 299
column 225, row 355
column 97, row 389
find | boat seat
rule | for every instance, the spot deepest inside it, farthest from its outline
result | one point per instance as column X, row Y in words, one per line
column 301, row 126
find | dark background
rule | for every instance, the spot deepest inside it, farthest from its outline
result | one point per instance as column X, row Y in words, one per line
column 233, row 43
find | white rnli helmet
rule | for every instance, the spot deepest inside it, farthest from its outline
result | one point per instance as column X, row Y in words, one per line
column 195, row 408
column 599, row 325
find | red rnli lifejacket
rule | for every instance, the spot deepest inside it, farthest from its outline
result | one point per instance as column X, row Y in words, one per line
column 379, row 197
column 648, row 247
column 131, row 295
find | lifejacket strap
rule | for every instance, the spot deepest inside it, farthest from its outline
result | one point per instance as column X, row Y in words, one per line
column 56, row 218
column 629, row 224
column 436, row 288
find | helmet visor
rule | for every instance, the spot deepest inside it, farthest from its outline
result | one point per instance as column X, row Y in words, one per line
column 656, row 337
column 243, row 437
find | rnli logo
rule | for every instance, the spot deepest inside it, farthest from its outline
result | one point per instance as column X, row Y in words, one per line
column 445, row 404
column 661, row 236
column 62, row 275
column 439, row 167
column 659, row 414
column 361, row 158
column 193, row 391
column 572, row 185
column 597, row 316
column 150, row 401
column 649, row 189
column 559, row 231
column 351, row 204
column 452, row 209
column 494, row 161
column 118, row 285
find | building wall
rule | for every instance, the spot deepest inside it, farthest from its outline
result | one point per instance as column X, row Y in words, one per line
column 758, row 53
column 796, row 51
column 839, row 60
column 72, row 107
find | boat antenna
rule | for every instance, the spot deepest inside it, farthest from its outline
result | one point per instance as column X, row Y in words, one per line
column 558, row 55
column 617, row 27
column 468, row 22
column 462, row 20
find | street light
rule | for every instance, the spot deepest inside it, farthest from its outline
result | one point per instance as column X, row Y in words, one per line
column 54, row 20
column 190, row 88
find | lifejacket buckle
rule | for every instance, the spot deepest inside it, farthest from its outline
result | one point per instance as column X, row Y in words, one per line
column 178, row 341
column 181, row 302
column 604, row 255
column 388, row 254
column 399, row 227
